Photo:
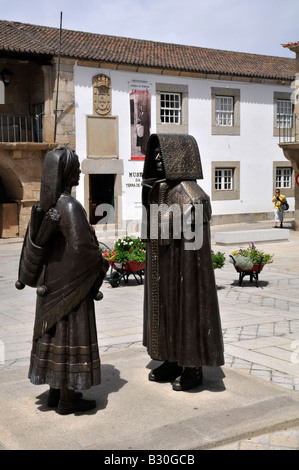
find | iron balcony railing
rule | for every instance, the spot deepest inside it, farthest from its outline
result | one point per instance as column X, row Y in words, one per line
column 21, row 128
column 288, row 126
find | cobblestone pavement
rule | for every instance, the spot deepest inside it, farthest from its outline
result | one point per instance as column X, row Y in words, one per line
column 260, row 324
column 263, row 339
column 261, row 328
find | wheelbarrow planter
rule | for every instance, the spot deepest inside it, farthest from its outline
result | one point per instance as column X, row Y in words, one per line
column 121, row 271
column 134, row 266
column 128, row 247
column 253, row 272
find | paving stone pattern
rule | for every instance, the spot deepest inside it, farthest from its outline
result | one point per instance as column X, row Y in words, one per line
column 260, row 324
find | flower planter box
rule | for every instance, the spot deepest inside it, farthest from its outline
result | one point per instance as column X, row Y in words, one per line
column 253, row 272
column 129, row 266
column 125, row 248
column 116, row 265
column 255, row 268
column 123, row 271
column 134, row 266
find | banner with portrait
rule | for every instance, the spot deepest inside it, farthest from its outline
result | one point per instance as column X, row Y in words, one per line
column 140, row 117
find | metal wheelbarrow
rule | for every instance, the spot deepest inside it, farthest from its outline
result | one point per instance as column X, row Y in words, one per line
column 119, row 271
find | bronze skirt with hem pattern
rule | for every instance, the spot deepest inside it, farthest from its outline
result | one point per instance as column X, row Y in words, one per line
column 67, row 356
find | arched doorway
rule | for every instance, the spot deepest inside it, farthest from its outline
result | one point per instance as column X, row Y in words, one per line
column 11, row 193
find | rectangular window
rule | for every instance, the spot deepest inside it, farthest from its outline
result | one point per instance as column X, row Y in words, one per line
column 224, row 178
column 171, row 108
column 284, row 117
column 224, row 109
column 283, row 177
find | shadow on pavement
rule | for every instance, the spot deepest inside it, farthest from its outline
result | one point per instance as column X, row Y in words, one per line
column 111, row 383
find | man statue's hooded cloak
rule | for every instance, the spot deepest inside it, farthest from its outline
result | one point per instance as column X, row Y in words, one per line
column 181, row 312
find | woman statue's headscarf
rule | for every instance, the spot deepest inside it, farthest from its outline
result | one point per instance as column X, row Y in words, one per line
column 58, row 167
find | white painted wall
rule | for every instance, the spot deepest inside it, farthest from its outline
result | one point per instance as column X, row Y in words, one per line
column 255, row 148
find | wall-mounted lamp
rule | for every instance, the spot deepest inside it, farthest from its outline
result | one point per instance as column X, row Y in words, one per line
column 6, row 76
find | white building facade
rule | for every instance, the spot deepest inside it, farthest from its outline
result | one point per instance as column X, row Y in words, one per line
column 104, row 95
column 235, row 123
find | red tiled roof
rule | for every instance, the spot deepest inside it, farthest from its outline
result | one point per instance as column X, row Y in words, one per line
column 31, row 39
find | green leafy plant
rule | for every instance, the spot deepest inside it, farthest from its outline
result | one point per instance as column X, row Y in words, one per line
column 246, row 258
column 133, row 249
column 218, row 259
column 127, row 249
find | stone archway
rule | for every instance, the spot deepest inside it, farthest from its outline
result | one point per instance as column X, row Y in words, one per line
column 11, row 194
column 20, row 172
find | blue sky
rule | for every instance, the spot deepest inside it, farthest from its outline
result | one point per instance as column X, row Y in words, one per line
column 257, row 26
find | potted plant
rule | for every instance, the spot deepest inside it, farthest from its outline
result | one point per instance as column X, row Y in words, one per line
column 250, row 261
column 218, row 259
column 130, row 251
column 249, row 258
column 128, row 254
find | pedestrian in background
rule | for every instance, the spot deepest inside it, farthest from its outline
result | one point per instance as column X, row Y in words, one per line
column 278, row 200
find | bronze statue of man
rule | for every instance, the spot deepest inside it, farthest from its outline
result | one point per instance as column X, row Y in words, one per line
column 182, row 324
column 62, row 259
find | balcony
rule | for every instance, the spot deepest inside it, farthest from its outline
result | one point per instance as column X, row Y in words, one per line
column 21, row 129
column 288, row 126
column 289, row 143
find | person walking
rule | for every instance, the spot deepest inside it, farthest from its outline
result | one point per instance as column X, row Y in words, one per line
column 278, row 200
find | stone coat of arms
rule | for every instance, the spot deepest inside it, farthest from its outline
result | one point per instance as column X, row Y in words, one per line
column 101, row 94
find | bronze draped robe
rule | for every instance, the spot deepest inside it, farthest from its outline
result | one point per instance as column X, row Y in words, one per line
column 181, row 313
column 65, row 350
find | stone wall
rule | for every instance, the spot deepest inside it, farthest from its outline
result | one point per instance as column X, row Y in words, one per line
column 20, row 171
column 65, row 124
column 21, row 163
column 247, row 218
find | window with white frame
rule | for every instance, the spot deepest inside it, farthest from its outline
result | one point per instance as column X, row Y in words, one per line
column 224, row 110
column 171, row 108
column 225, row 107
column 224, row 179
column 283, row 177
column 284, row 116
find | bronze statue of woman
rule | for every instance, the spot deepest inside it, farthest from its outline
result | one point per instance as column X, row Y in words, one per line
column 62, row 259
